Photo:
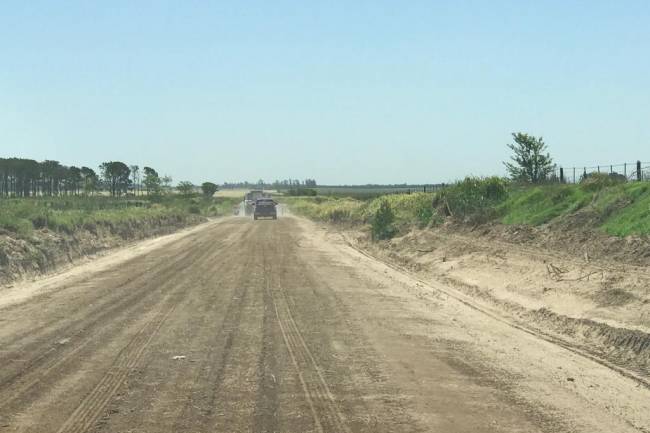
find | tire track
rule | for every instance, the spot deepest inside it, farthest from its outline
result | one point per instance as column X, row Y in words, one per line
column 467, row 301
column 323, row 406
column 212, row 370
column 166, row 290
column 16, row 385
column 92, row 406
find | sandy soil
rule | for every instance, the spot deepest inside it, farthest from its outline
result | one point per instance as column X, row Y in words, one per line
column 281, row 326
column 601, row 305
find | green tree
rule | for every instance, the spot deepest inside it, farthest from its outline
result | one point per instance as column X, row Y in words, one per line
column 73, row 180
column 89, row 180
column 151, row 181
column 530, row 162
column 166, row 182
column 209, row 188
column 185, row 187
column 116, row 174
column 135, row 178
column 382, row 222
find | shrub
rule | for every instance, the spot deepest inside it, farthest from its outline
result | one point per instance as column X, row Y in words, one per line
column 596, row 181
column 382, row 222
column 473, row 198
column 302, row 192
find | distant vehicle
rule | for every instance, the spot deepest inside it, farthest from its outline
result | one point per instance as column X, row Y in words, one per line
column 265, row 208
column 250, row 199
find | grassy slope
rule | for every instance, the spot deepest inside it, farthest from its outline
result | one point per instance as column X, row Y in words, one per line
column 622, row 210
column 619, row 210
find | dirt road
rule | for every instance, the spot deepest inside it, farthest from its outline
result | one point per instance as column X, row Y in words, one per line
column 279, row 326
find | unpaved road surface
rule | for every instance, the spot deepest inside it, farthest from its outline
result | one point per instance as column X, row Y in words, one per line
column 279, row 326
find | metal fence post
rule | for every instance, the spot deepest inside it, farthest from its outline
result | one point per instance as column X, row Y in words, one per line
column 638, row 170
column 574, row 175
column 561, row 175
column 611, row 169
column 625, row 169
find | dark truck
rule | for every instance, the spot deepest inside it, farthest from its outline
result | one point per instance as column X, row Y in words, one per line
column 265, row 208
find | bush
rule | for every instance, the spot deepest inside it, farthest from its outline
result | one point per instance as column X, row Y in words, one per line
column 302, row 192
column 472, row 199
column 596, row 181
column 382, row 222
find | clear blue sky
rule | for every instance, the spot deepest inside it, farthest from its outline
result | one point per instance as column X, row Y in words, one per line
column 341, row 91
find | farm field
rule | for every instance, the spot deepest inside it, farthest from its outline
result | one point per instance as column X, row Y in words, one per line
column 284, row 326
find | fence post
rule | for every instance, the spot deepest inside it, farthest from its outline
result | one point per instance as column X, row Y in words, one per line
column 625, row 169
column 638, row 170
column 574, row 175
column 599, row 169
column 611, row 170
column 561, row 175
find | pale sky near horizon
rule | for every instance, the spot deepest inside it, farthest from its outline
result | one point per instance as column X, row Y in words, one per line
column 346, row 92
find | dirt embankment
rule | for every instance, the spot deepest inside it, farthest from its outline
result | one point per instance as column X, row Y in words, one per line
column 45, row 251
column 584, row 287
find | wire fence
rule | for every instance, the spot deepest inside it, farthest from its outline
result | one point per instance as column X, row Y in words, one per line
column 629, row 171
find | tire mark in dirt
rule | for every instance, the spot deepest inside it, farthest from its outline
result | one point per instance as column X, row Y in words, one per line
column 170, row 291
column 93, row 405
column 16, row 384
column 323, row 406
column 265, row 414
column 212, row 371
column 538, row 333
column 267, row 404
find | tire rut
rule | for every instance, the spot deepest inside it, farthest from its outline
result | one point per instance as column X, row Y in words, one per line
column 17, row 388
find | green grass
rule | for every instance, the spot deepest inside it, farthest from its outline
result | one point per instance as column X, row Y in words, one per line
column 633, row 218
column 365, row 192
column 66, row 214
column 617, row 209
column 539, row 205
column 409, row 209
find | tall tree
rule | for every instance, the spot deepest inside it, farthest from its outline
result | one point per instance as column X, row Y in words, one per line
column 530, row 162
column 135, row 178
column 116, row 175
column 166, row 182
column 151, row 181
column 89, row 180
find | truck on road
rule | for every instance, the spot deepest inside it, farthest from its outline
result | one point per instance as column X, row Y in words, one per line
column 265, row 208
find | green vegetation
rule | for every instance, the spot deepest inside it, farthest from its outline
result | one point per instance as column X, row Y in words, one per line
column 66, row 214
column 599, row 202
column 366, row 192
column 301, row 192
column 208, row 189
column 539, row 205
column 382, row 225
column 409, row 209
column 530, row 163
column 473, row 199
column 185, row 188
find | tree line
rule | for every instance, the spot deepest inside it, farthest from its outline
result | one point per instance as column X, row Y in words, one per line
column 20, row 177
column 276, row 184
